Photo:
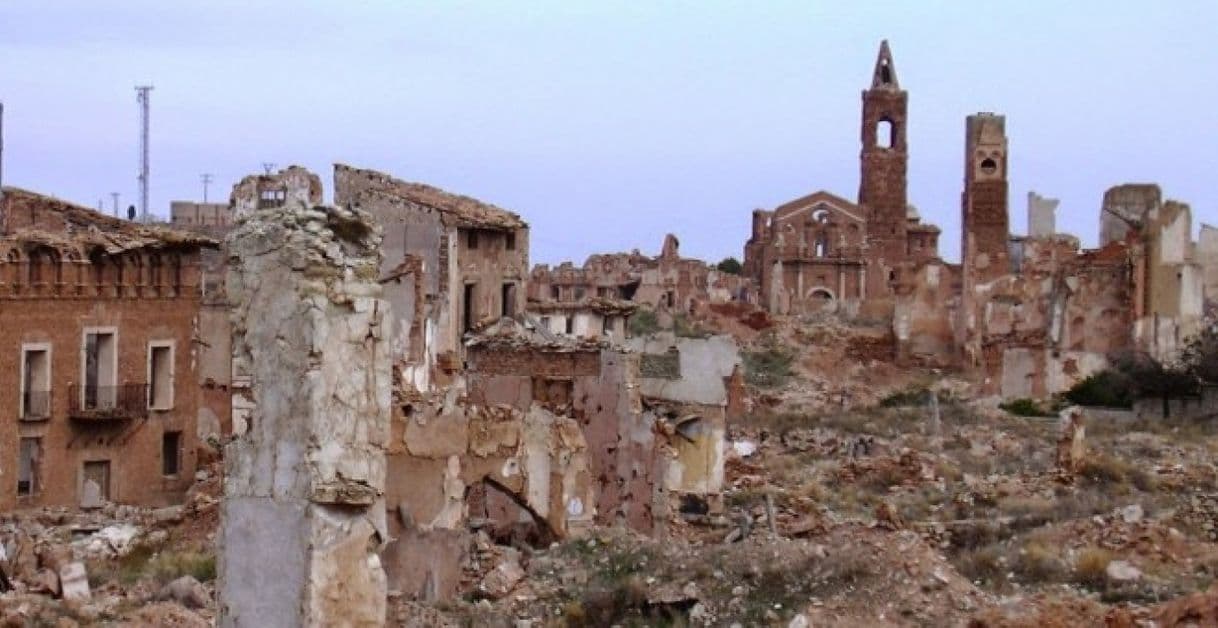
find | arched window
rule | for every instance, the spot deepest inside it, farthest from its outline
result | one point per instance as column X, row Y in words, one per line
column 885, row 134
column 822, row 246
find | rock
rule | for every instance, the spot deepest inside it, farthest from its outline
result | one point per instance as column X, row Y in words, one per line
column 1122, row 571
column 74, row 582
column 744, row 448
column 1132, row 513
column 502, row 579
column 171, row 514
column 798, row 621
column 157, row 537
column 186, row 591
column 45, row 581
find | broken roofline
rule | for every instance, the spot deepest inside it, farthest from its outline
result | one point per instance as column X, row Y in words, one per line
column 112, row 234
column 462, row 211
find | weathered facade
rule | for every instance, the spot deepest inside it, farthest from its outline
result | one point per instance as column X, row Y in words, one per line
column 822, row 252
column 99, row 318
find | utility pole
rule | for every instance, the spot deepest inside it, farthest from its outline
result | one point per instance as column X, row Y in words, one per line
column 142, row 94
column 206, row 178
column 268, row 166
column 114, row 198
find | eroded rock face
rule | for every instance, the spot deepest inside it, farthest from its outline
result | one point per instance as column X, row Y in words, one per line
column 304, row 512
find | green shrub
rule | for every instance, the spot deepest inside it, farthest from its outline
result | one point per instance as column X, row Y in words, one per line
column 682, row 327
column 1025, row 407
column 1107, row 388
column 643, row 323
column 913, row 396
column 729, row 265
column 768, row 368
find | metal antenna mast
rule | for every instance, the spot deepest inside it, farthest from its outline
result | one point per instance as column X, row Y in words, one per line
column 268, row 166
column 142, row 94
column 206, row 178
column 114, row 198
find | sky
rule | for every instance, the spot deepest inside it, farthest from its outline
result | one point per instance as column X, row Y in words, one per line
column 608, row 124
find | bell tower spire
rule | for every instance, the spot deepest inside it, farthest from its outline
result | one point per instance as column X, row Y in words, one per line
column 885, row 75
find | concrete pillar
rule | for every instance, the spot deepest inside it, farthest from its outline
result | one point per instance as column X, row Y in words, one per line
column 303, row 513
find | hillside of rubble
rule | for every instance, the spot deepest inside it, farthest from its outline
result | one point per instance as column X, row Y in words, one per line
column 858, row 494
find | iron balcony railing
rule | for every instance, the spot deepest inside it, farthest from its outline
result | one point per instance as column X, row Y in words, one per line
column 35, row 405
column 125, row 401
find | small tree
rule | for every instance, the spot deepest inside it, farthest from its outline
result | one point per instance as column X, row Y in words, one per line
column 1200, row 354
column 729, row 265
column 1152, row 378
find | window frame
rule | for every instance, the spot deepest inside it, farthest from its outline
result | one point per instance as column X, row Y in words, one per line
column 153, row 345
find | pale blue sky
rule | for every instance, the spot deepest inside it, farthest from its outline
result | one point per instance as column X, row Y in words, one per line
column 608, row 124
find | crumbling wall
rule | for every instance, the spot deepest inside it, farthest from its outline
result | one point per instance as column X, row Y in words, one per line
column 1042, row 215
column 303, row 511
column 1127, row 208
column 690, row 406
column 443, row 450
column 1207, row 256
column 293, row 185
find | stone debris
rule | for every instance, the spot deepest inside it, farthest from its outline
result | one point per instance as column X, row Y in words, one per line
column 186, row 591
column 74, row 582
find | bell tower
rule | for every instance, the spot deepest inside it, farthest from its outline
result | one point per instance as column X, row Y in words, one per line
column 984, row 217
column 883, row 162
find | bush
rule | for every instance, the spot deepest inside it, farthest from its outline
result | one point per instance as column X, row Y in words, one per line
column 682, row 327
column 1108, row 388
column 1091, row 566
column 1039, row 563
column 643, row 323
column 914, row 396
column 768, row 368
column 729, row 265
column 1025, row 407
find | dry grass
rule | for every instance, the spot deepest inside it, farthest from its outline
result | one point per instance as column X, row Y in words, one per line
column 1091, row 565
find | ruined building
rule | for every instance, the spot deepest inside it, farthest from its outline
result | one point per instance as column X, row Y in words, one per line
column 597, row 299
column 1035, row 314
column 524, row 424
column 1032, row 314
column 100, row 318
column 451, row 264
column 822, row 252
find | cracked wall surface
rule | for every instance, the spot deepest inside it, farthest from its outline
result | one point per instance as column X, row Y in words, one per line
column 303, row 514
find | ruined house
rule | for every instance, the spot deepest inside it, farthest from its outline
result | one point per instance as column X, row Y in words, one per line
column 100, row 317
column 606, row 282
column 822, row 252
column 451, row 264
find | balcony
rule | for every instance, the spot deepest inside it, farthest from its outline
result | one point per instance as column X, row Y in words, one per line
column 103, row 403
column 35, row 405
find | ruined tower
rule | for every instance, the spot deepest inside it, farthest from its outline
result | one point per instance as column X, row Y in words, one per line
column 984, row 217
column 883, row 162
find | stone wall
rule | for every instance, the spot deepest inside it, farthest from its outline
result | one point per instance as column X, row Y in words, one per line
column 303, row 513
